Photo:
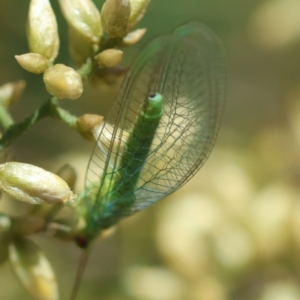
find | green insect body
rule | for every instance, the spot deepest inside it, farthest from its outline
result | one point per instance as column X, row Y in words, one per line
column 122, row 182
column 120, row 185
column 160, row 130
column 138, row 146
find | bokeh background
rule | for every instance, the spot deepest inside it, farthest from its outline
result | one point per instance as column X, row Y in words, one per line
column 233, row 232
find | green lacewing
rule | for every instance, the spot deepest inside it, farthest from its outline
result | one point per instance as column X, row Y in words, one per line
column 160, row 129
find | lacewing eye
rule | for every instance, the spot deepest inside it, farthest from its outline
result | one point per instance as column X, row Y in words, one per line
column 186, row 70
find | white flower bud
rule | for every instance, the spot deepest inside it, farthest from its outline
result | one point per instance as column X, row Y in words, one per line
column 80, row 47
column 42, row 31
column 115, row 16
column 87, row 123
column 84, row 17
column 33, row 185
column 133, row 37
column 11, row 92
column 109, row 58
column 63, row 82
column 33, row 62
column 105, row 78
column 138, row 9
column 33, row 269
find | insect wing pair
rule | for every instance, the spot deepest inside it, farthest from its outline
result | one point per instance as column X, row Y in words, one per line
column 140, row 157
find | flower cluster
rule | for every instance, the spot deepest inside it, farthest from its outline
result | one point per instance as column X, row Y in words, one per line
column 95, row 39
column 92, row 36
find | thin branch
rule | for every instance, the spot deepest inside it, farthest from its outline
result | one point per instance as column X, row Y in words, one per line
column 50, row 109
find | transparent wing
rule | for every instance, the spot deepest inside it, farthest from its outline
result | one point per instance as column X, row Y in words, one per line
column 187, row 68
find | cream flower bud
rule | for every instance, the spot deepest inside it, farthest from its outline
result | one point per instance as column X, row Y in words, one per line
column 105, row 78
column 133, row 37
column 138, row 9
column 80, row 47
column 83, row 16
column 109, row 58
column 33, row 269
column 115, row 16
column 47, row 212
column 87, row 123
column 63, row 82
column 11, row 92
column 33, row 62
column 32, row 184
column 42, row 32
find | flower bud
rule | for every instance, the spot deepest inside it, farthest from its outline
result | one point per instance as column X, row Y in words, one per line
column 63, row 82
column 33, row 62
column 84, row 17
column 33, row 269
column 138, row 9
column 115, row 16
column 11, row 92
column 133, row 37
column 48, row 212
column 33, row 185
column 105, row 78
column 87, row 124
column 109, row 58
column 42, row 32
column 80, row 48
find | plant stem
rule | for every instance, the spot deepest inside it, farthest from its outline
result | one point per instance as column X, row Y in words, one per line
column 86, row 69
column 50, row 108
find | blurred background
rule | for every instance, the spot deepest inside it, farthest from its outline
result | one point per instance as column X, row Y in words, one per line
column 233, row 232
